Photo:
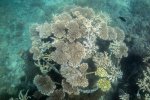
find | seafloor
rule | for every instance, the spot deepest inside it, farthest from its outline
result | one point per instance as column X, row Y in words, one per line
column 17, row 66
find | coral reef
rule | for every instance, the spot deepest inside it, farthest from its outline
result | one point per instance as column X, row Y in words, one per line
column 65, row 44
column 144, row 83
column 90, row 52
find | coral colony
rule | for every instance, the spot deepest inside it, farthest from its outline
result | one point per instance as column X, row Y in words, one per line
column 68, row 44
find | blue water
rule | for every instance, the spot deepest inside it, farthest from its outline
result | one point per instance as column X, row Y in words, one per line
column 16, row 17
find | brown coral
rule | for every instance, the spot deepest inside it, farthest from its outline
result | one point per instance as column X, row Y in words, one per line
column 44, row 84
column 74, row 32
column 68, row 53
column 69, row 89
column 59, row 29
column 74, row 76
column 77, row 53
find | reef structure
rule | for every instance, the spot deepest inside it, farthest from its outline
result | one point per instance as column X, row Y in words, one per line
column 65, row 46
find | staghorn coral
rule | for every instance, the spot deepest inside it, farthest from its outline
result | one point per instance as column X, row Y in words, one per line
column 147, row 96
column 44, row 84
column 124, row 96
column 114, row 74
column 102, row 60
column 106, row 68
column 144, row 83
column 119, row 49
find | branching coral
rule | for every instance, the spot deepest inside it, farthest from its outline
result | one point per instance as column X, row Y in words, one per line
column 114, row 74
column 102, row 60
column 119, row 49
column 144, row 83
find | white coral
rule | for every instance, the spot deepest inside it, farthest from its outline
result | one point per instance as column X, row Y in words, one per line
column 44, row 30
column 144, row 83
column 119, row 49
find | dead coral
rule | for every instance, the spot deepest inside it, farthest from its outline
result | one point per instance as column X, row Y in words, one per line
column 44, row 84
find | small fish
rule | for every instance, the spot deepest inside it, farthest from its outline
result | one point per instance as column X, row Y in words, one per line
column 122, row 18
